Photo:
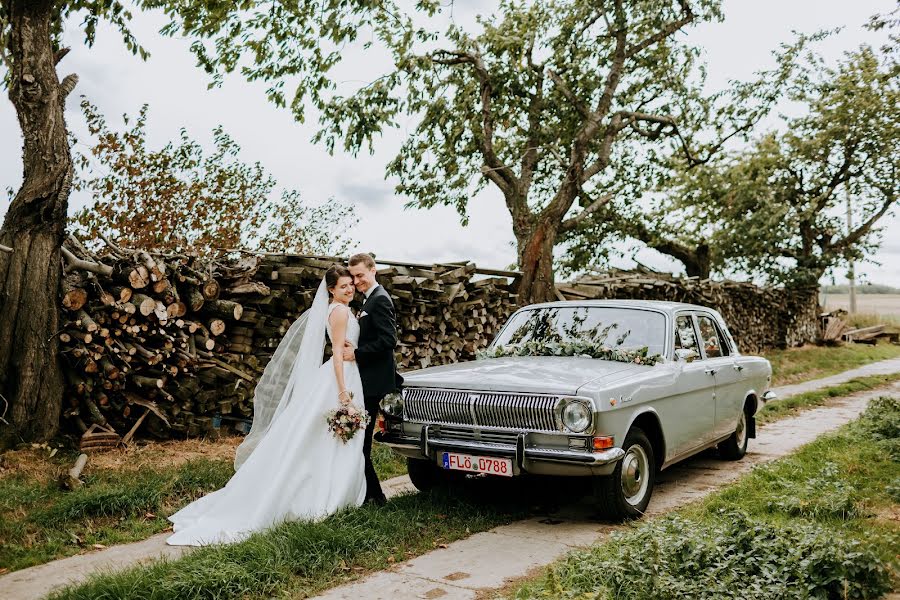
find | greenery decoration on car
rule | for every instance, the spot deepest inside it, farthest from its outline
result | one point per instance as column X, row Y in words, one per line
column 587, row 349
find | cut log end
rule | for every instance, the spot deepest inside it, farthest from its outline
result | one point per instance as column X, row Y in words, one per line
column 210, row 289
column 75, row 299
column 217, row 326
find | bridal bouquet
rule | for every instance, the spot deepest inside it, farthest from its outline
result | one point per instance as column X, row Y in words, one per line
column 345, row 421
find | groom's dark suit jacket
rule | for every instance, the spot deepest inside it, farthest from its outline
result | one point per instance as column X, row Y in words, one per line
column 377, row 340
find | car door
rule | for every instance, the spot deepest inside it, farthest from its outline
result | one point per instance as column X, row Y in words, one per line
column 719, row 358
column 688, row 413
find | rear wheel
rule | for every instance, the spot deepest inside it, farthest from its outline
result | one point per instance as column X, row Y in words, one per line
column 735, row 447
column 626, row 493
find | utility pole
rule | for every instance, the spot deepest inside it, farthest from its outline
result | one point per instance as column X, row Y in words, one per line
column 851, row 272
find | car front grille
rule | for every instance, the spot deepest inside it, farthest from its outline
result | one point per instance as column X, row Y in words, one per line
column 483, row 409
column 481, row 435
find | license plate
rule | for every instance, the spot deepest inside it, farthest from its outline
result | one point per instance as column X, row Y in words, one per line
column 477, row 464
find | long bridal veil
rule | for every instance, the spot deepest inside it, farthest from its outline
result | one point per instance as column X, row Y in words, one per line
column 295, row 362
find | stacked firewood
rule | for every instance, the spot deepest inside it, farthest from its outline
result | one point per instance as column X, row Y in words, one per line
column 758, row 317
column 445, row 312
column 180, row 342
column 145, row 333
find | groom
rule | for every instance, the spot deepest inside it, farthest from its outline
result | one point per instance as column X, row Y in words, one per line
column 374, row 356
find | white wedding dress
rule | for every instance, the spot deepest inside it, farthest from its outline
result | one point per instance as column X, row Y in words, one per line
column 297, row 471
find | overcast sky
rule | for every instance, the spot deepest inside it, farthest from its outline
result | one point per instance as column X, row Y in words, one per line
column 178, row 97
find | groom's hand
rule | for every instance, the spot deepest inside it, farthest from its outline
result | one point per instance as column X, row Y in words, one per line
column 348, row 351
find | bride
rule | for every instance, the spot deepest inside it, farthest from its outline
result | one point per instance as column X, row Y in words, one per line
column 290, row 467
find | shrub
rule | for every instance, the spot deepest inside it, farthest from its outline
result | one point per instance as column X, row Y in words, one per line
column 881, row 423
column 826, row 494
column 728, row 555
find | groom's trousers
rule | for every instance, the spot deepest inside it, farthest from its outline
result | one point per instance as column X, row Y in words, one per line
column 373, row 486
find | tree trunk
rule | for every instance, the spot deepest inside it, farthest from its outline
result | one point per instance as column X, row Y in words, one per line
column 700, row 263
column 536, row 261
column 31, row 381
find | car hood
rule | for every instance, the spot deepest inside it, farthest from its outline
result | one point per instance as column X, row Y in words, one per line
column 538, row 374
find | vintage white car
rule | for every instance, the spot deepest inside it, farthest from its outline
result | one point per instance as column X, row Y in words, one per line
column 616, row 390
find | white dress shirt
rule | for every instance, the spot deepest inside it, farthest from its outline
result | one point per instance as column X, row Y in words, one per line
column 369, row 291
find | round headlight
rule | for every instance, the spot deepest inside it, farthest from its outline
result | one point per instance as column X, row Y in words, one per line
column 392, row 404
column 576, row 416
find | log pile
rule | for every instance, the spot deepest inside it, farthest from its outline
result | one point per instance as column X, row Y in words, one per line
column 758, row 317
column 180, row 343
column 445, row 312
column 833, row 325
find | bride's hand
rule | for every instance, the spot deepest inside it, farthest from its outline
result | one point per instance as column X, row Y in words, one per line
column 345, row 397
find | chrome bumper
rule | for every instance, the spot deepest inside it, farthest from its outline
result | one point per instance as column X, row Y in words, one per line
column 428, row 446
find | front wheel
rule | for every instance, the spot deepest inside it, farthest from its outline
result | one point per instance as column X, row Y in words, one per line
column 626, row 493
column 424, row 474
column 735, row 447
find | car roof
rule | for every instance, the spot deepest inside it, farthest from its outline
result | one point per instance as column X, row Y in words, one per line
column 661, row 305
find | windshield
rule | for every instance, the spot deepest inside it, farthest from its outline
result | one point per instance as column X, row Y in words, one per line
column 615, row 327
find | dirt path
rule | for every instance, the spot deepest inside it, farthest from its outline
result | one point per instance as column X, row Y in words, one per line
column 474, row 563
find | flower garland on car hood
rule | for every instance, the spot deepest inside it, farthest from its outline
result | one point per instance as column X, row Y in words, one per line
column 639, row 356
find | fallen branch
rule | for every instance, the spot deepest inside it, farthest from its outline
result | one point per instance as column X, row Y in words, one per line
column 70, row 480
column 85, row 265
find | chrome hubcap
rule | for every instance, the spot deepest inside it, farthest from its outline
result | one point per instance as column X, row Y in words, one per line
column 635, row 469
column 740, row 434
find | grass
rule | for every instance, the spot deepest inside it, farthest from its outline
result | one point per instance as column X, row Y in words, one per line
column 870, row 319
column 813, row 362
column 821, row 523
column 40, row 522
column 299, row 559
column 387, row 463
column 786, row 407
column 126, row 497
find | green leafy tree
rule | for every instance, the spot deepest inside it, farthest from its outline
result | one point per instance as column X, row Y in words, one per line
column 549, row 102
column 178, row 198
column 693, row 215
column 777, row 210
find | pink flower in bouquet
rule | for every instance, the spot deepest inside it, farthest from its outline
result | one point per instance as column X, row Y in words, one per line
column 345, row 421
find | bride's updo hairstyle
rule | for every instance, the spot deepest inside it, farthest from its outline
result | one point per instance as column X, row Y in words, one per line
column 333, row 274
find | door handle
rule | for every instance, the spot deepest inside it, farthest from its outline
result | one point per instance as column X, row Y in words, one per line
column 738, row 367
column 710, row 371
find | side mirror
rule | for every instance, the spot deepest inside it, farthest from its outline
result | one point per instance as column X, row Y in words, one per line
column 685, row 354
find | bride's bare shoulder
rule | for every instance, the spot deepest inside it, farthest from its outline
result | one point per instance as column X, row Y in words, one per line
column 338, row 311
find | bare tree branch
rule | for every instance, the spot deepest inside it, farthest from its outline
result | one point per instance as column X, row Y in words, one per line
column 453, row 58
column 494, row 169
column 67, row 85
column 688, row 16
column 5, row 249
column 859, row 232
column 567, row 93
column 570, row 224
column 60, row 54
column 612, row 130
column 649, row 118
column 618, row 63
column 531, row 156
column 86, row 265
column 695, row 260
column 840, row 176
column 693, row 160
